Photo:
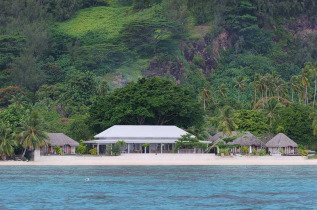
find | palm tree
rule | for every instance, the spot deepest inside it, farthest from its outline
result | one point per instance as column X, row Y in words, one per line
column 267, row 80
column 298, row 87
column 102, row 88
column 7, row 142
column 31, row 135
column 313, row 116
column 293, row 85
column 306, row 72
column 256, row 85
column 240, row 85
column 226, row 120
column 279, row 86
column 205, row 96
column 223, row 90
column 271, row 108
column 313, row 68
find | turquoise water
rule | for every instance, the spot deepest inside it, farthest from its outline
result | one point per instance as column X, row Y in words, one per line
column 158, row 187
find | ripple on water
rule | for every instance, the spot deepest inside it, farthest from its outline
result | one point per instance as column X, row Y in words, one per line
column 158, row 187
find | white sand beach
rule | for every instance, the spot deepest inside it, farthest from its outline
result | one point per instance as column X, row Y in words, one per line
column 165, row 159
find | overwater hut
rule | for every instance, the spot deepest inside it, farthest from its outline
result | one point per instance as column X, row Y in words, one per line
column 241, row 139
column 67, row 144
column 281, row 144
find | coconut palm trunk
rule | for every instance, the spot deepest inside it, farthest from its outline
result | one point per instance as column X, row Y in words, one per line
column 23, row 154
column 306, row 95
column 315, row 92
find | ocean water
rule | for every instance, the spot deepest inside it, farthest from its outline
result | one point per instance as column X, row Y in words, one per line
column 158, row 187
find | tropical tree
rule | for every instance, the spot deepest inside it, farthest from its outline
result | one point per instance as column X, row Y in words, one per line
column 31, row 135
column 271, row 108
column 267, row 80
column 279, row 86
column 205, row 96
column 306, row 73
column 7, row 142
column 223, row 90
column 313, row 116
column 256, row 85
column 240, row 84
column 313, row 68
column 225, row 120
column 121, row 144
column 146, row 145
column 298, row 87
column 293, row 85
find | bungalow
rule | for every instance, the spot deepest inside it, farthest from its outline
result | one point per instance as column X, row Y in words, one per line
column 239, row 138
column 67, row 144
column 281, row 144
column 161, row 139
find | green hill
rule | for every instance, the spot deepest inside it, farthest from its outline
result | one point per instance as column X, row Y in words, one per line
column 61, row 56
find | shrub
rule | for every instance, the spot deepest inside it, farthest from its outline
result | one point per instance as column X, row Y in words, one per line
column 93, row 151
column 262, row 152
column 58, row 150
column 115, row 150
column 81, row 149
column 302, row 152
column 245, row 149
column 224, row 150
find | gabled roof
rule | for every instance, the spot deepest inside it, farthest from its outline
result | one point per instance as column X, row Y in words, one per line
column 141, row 131
column 281, row 140
column 60, row 139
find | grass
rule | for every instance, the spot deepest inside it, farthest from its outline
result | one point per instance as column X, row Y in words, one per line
column 104, row 18
column 313, row 157
column 109, row 19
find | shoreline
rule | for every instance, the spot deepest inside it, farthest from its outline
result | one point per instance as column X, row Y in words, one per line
column 162, row 159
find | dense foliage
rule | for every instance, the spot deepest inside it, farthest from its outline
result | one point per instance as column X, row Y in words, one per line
column 153, row 101
column 68, row 60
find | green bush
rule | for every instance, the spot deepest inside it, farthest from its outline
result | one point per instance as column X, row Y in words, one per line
column 58, row 150
column 245, row 149
column 262, row 152
column 93, row 151
column 81, row 149
column 302, row 152
column 115, row 150
column 224, row 151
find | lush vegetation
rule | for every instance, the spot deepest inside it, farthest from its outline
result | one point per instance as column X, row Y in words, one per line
column 227, row 65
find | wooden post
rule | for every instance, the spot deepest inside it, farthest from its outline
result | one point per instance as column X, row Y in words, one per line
column 161, row 148
column 97, row 149
column 128, row 148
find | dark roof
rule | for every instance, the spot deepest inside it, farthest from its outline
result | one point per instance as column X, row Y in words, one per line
column 281, row 140
column 60, row 139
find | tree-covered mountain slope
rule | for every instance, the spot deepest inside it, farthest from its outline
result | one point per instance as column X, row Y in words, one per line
column 60, row 57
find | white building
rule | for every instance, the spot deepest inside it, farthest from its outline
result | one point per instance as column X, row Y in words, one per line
column 161, row 138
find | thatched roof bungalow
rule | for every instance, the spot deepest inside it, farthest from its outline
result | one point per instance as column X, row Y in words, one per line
column 67, row 144
column 242, row 138
column 281, row 144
